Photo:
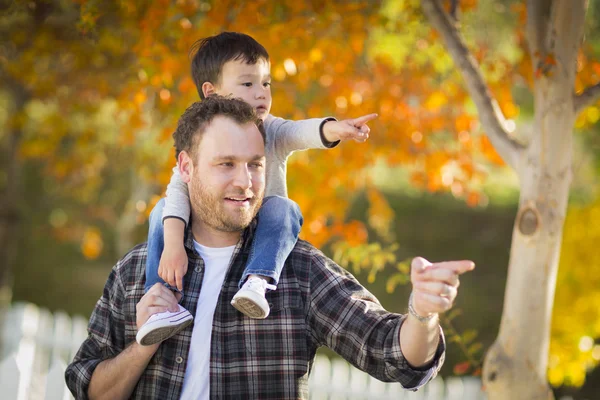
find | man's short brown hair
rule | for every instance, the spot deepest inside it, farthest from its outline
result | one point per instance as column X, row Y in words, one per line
column 194, row 120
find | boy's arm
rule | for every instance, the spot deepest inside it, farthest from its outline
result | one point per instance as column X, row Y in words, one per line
column 348, row 129
column 177, row 203
column 315, row 133
column 176, row 214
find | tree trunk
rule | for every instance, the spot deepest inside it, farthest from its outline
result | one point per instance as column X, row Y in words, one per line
column 516, row 364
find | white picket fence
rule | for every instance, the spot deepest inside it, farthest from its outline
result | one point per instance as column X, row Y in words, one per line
column 36, row 346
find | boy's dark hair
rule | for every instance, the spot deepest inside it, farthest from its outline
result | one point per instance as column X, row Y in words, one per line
column 211, row 53
column 194, row 120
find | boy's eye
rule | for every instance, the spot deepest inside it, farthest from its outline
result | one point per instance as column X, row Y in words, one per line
column 247, row 84
column 267, row 84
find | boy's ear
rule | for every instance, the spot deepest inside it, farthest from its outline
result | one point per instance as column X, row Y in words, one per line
column 208, row 89
column 186, row 166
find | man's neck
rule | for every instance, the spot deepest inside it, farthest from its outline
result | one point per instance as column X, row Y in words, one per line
column 211, row 237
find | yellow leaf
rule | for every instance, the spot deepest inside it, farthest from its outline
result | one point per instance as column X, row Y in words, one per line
column 435, row 101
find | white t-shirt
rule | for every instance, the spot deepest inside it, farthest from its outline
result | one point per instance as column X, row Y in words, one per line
column 196, row 383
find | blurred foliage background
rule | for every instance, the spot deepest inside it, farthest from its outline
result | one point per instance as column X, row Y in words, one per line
column 90, row 92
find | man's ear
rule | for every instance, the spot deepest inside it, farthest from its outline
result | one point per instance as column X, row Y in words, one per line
column 208, row 89
column 186, row 166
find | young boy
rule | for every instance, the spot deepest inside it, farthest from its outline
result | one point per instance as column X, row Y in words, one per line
column 234, row 64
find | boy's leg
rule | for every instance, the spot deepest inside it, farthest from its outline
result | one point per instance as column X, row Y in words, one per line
column 156, row 244
column 279, row 223
column 163, row 325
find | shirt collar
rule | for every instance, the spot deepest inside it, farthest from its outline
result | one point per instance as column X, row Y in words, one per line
column 245, row 238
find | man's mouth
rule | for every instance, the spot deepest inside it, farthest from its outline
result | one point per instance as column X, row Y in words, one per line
column 239, row 201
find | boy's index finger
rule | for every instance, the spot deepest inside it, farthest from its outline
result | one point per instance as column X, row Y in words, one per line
column 458, row 267
column 364, row 119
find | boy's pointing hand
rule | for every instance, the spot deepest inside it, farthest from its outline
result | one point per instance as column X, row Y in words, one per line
column 356, row 129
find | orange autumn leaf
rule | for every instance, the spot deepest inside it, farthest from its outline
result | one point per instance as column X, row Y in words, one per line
column 461, row 368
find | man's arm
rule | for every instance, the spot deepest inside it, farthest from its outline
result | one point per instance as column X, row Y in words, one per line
column 391, row 347
column 104, row 366
column 348, row 319
column 435, row 287
column 116, row 378
column 419, row 341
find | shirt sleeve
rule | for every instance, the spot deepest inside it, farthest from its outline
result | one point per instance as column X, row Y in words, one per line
column 345, row 317
column 289, row 136
column 105, row 337
column 177, row 203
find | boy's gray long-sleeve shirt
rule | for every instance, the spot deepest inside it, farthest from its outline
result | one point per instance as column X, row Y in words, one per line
column 283, row 137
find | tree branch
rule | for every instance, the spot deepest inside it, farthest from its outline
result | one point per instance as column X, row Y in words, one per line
column 538, row 17
column 586, row 98
column 493, row 121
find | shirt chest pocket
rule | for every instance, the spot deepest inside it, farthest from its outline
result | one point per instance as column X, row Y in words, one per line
column 283, row 332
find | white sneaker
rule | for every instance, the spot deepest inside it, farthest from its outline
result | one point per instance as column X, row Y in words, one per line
column 250, row 299
column 162, row 326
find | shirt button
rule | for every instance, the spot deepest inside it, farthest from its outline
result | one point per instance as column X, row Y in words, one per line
column 197, row 269
column 179, row 360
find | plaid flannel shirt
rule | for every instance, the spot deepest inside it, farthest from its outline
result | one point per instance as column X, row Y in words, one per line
column 317, row 303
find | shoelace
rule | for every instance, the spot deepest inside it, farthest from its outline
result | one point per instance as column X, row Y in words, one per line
column 261, row 283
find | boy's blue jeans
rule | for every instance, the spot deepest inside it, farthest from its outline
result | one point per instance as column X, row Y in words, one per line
column 279, row 223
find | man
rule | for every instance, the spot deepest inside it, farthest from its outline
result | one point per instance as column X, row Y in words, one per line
column 226, row 355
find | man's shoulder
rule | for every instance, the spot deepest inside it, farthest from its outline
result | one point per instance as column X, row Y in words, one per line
column 133, row 264
column 310, row 266
column 136, row 254
column 306, row 249
column 305, row 255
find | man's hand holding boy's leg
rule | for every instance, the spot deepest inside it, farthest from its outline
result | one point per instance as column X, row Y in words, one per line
column 173, row 266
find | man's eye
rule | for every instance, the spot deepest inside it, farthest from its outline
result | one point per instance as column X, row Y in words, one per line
column 227, row 164
column 257, row 165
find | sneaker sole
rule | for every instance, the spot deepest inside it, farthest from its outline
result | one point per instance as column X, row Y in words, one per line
column 249, row 308
column 158, row 335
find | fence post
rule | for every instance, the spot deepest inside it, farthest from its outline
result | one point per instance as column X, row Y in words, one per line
column 9, row 377
column 434, row 390
column 320, row 378
column 55, row 383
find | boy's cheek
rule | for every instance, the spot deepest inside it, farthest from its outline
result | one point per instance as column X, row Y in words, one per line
column 258, row 179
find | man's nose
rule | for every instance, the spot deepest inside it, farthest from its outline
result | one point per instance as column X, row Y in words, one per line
column 243, row 178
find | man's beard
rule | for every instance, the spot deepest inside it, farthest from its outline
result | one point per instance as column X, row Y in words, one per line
column 210, row 208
